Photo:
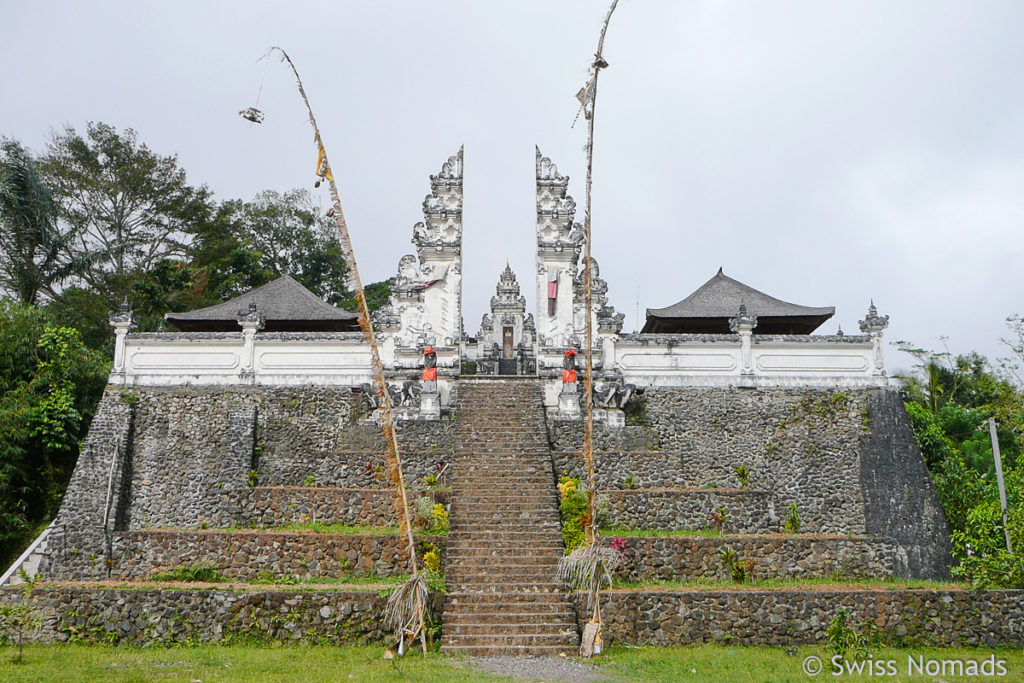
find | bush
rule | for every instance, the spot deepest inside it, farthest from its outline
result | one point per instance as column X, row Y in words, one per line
column 739, row 570
column 843, row 639
column 573, row 510
column 793, row 523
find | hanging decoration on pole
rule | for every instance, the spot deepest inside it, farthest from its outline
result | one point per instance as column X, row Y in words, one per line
column 589, row 566
column 406, row 607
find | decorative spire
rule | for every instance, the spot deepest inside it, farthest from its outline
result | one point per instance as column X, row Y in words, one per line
column 251, row 319
column 442, row 208
column 122, row 318
column 555, row 208
column 873, row 323
column 743, row 322
column 508, row 293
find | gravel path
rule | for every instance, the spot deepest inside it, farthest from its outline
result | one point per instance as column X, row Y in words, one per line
column 539, row 668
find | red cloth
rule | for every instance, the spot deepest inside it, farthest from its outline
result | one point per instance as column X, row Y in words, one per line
column 568, row 376
column 553, row 290
column 430, row 375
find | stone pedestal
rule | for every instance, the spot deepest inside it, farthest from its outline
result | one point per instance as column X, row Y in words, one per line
column 569, row 403
column 430, row 401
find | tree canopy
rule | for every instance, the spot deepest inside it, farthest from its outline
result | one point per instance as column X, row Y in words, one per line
column 950, row 399
column 98, row 218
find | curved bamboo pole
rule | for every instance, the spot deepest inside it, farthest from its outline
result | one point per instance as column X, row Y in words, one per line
column 387, row 419
column 590, row 94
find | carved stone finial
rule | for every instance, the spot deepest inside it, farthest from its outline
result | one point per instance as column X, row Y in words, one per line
column 743, row 322
column 122, row 318
column 251, row 319
column 873, row 323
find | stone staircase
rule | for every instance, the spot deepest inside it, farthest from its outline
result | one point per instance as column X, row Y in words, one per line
column 505, row 539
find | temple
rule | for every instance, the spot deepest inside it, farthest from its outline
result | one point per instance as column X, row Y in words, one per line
column 726, row 426
column 726, row 333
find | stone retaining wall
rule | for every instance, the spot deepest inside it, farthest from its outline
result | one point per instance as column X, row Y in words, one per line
column 746, row 512
column 244, row 554
column 649, row 469
column 800, row 617
column 685, row 558
column 142, row 616
column 276, row 505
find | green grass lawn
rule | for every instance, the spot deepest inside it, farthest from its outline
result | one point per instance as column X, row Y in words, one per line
column 289, row 663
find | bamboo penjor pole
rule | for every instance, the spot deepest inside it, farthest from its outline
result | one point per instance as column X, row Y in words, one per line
column 589, row 97
column 387, row 419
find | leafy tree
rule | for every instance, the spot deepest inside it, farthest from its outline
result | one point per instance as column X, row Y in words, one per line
column 128, row 207
column 33, row 256
column 50, row 384
column 274, row 235
column 950, row 400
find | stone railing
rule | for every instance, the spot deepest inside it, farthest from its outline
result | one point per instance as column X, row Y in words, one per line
column 747, row 360
column 263, row 359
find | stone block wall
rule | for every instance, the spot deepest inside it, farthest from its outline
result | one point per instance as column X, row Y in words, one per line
column 688, row 558
column 746, row 512
column 800, row 617
column 899, row 497
column 847, row 458
column 245, row 555
column 144, row 617
column 190, row 455
column 277, row 505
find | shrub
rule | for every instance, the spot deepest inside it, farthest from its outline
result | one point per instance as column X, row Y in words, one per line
column 739, row 570
column 200, row 573
column 743, row 474
column 430, row 516
column 717, row 520
column 793, row 523
column 572, row 508
column 630, row 482
column 432, row 560
column 843, row 639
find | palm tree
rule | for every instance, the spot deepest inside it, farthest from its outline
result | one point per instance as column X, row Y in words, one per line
column 32, row 248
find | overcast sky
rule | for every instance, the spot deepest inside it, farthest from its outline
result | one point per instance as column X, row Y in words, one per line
column 823, row 152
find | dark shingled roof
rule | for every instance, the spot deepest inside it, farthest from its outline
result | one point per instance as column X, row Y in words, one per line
column 709, row 308
column 284, row 304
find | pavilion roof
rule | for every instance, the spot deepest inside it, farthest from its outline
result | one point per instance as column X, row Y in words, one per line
column 283, row 303
column 713, row 303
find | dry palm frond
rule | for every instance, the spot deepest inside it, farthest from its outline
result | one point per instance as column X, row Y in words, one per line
column 588, row 567
column 405, row 606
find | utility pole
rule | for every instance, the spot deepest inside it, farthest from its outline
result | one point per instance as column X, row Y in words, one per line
column 999, row 478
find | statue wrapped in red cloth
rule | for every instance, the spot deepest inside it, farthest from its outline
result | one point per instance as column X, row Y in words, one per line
column 429, row 364
column 569, row 363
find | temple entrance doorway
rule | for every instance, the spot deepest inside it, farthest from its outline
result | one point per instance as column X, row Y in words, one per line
column 507, row 349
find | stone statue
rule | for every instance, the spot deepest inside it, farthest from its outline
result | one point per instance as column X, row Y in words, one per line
column 405, row 394
column 614, row 394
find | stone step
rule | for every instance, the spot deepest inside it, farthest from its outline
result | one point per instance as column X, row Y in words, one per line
column 523, row 557
column 500, row 627
column 533, row 481
column 554, row 616
column 500, row 497
column 507, row 601
column 510, row 651
column 497, row 519
column 500, row 574
column 532, row 560
column 512, row 525
column 550, row 587
column 513, row 639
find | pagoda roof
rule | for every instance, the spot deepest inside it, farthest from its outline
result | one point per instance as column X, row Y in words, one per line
column 709, row 308
column 284, row 304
